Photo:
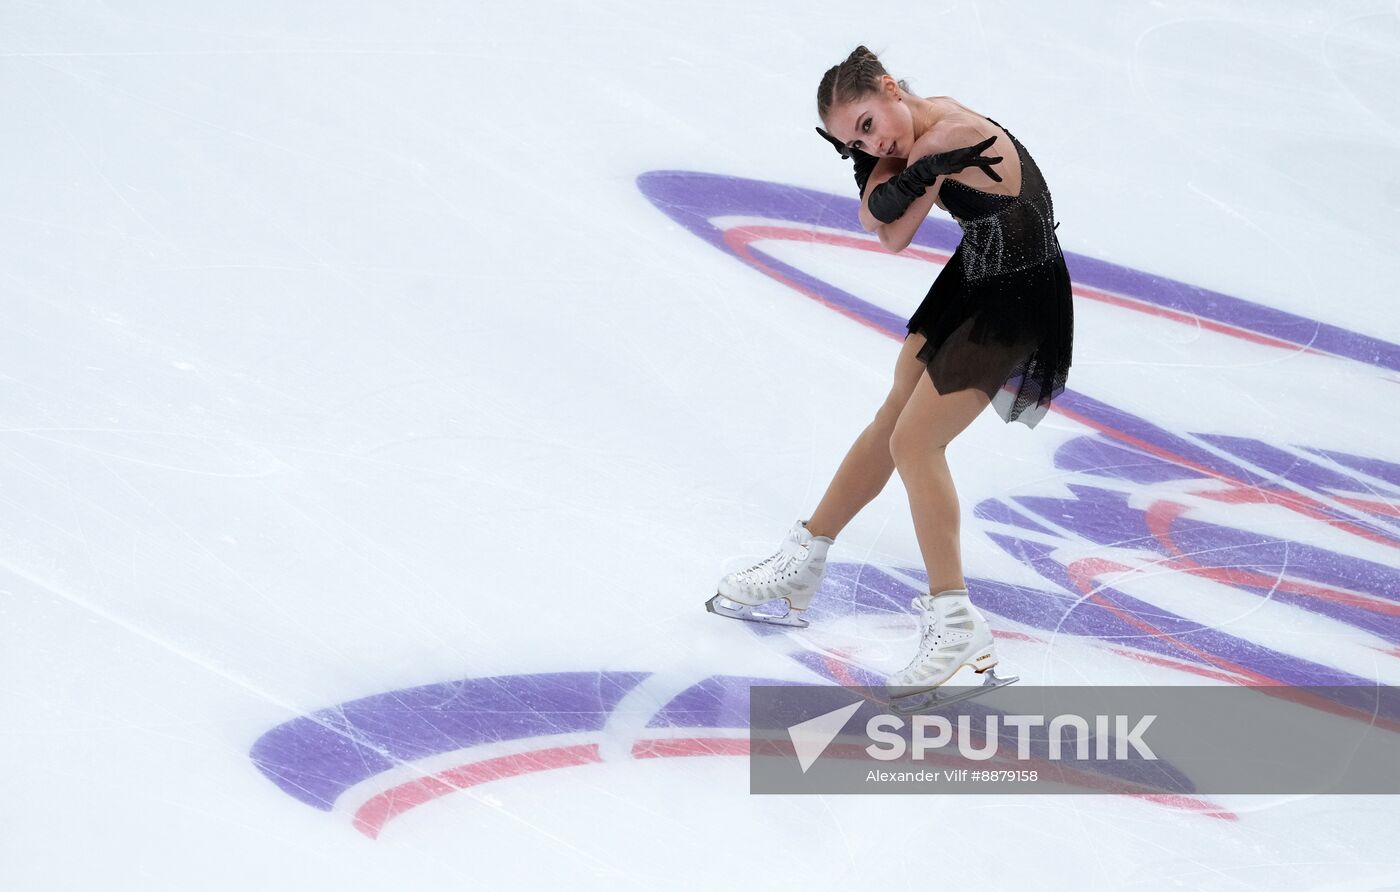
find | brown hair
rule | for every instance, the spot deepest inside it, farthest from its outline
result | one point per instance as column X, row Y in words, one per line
column 853, row 79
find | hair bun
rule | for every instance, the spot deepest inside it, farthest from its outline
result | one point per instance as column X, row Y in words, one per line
column 858, row 76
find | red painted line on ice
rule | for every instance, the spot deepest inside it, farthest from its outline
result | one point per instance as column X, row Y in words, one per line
column 1246, row 494
column 1017, row 636
column 1187, row 319
column 839, row 672
column 1241, row 491
column 1083, row 573
column 374, row 814
column 1385, row 509
column 1180, row 665
column 1159, row 521
column 740, row 237
column 371, row 817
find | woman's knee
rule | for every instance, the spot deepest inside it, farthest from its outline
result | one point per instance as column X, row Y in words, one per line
column 930, row 421
column 917, row 430
column 907, row 442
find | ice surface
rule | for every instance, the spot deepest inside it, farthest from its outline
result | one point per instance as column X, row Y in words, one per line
column 377, row 422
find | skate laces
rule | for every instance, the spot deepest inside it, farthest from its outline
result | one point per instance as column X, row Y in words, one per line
column 790, row 552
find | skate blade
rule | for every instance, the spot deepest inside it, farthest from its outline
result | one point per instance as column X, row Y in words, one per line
column 936, row 698
column 721, row 606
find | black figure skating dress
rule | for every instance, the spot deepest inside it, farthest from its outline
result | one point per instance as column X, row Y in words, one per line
column 999, row 317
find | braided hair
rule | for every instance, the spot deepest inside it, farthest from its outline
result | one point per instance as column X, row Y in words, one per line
column 853, row 79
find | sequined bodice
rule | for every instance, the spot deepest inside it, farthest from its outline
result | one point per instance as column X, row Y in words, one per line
column 1002, row 233
column 967, row 203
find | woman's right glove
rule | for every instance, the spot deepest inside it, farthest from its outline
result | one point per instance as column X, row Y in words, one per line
column 889, row 200
column 864, row 163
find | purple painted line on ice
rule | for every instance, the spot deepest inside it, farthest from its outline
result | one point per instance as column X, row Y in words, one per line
column 1381, row 470
column 317, row 758
column 692, row 199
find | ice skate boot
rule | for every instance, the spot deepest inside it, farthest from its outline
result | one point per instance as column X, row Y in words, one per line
column 955, row 634
column 792, row 575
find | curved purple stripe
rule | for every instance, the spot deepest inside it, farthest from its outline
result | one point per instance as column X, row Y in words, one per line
column 691, row 199
column 318, row 757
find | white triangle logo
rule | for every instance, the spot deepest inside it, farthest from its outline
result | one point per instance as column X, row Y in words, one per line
column 811, row 738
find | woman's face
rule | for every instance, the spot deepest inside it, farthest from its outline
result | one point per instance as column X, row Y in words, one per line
column 878, row 124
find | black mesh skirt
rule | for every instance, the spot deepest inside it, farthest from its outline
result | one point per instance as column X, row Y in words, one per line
column 1008, row 335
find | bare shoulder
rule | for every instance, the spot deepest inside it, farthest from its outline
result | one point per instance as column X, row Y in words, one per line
column 960, row 128
column 956, row 130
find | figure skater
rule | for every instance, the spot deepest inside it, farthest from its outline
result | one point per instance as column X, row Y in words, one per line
column 995, row 328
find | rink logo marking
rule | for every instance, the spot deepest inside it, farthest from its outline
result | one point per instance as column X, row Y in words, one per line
column 1124, row 477
column 695, row 200
column 741, row 238
column 320, row 758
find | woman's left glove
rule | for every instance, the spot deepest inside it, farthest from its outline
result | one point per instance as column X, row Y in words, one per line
column 892, row 198
column 864, row 163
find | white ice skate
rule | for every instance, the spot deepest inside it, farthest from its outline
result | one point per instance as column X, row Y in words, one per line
column 792, row 575
column 955, row 634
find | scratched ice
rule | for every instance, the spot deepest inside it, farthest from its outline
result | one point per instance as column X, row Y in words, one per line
column 387, row 387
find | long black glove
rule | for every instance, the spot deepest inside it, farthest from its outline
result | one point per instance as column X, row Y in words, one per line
column 889, row 200
column 864, row 163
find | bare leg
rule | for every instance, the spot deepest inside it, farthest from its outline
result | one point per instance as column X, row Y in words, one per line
column 862, row 475
column 927, row 425
column 868, row 465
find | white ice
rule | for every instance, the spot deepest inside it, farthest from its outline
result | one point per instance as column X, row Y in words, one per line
column 344, row 355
